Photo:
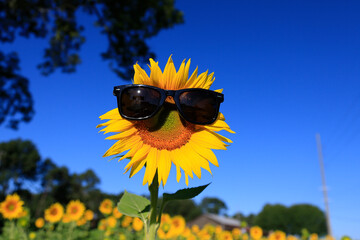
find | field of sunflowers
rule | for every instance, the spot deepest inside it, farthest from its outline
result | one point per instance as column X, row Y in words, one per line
column 75, row 222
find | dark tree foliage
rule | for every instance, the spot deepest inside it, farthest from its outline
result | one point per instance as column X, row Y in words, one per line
column 186, row 208
column 293, row 219
column 18, row 162
column 273, row 217
column 213, row 205
column 306, row 216
column 127, row 25
column 16, row 102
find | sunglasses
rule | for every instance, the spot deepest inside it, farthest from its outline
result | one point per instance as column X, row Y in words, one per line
column 195, row 105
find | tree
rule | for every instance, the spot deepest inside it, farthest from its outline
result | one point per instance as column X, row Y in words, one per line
column 186, row 208
column 273, row 217
column 18, row 162
column 213, row 205
column 306, row 216
column 293, row 219
column 127, row 25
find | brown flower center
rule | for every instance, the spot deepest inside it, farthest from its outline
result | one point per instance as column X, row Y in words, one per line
column 166, row 130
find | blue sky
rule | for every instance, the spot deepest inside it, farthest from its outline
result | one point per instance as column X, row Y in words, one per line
column 289, row 69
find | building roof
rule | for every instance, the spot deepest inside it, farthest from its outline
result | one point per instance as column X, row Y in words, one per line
column 223, row 220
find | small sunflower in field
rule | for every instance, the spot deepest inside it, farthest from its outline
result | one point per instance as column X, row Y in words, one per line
column 66, row 218
column 166, row 138
column 12, row 206
column 277, row 235
column 126, row 221
column 178, row 225
column 82, row 221
column 106, row 206
column 256, row 232
column 291, row 237
column 236, row 232
column 111, row 221
column 116, row 213
column 75, row 210
column 137, row 224
column 54, row 213
column 164, row 231
column 39, row 222
column 89, row 215
column 225, row 235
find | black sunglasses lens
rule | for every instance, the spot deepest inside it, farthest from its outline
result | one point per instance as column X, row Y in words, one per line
column 199, row 106
column 139, row 102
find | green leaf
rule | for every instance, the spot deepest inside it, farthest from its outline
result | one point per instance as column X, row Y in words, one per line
column 134, row 206
column 186, row 193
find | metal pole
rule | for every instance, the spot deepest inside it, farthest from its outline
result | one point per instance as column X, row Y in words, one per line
column 321, row 161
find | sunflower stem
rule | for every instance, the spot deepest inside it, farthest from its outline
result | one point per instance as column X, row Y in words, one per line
column 154, row 195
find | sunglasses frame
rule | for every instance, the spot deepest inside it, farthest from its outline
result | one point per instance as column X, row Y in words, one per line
column 175, row 94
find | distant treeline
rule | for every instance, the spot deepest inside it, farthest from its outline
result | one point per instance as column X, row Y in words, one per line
column 40, row 182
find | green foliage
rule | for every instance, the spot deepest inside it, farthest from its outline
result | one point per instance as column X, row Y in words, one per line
column 19, row 161
column 134, row 206
column 213, row 205
column 127, row 24
column 186, row 208
column 306, row 216
column 293, row 219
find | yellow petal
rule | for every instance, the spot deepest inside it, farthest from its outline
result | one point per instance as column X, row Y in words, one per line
column 151, row 166
column 139, row 155
column 187, row 152
column 179, row 79
column 118, row 126
column 122, row 145
column 181, row 161
column 132, row 150
column 219, row 125
column 192, row 79
column 155, row 74
column 112, row 114
column 136, row 167
column 164, row 166
column 205, row 152
column 219, row 90
column 124, row 134
column 208, row 140
column 140, row 76
column 169, row 75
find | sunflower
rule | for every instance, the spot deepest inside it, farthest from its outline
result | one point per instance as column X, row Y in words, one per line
column 82, row 221
column 137, row 224
column 54, row 213
column 256, row 232
column 75, row 209
column 226, row 235
column 313, row 236
column 173, row 141
column 89, row 215
column 126, row 221
column 116, row 213
column 165, row 228
column 106, row 206
column 236, row 232
column 277, row 235
column 178, row 225
column 39, row 223
column 12, row 206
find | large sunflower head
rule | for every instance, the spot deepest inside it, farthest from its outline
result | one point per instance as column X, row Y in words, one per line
column 54, row 213
column 12, row 206
column 166, row 140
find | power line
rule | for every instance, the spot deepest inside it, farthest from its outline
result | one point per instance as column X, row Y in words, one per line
column 326, row 201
